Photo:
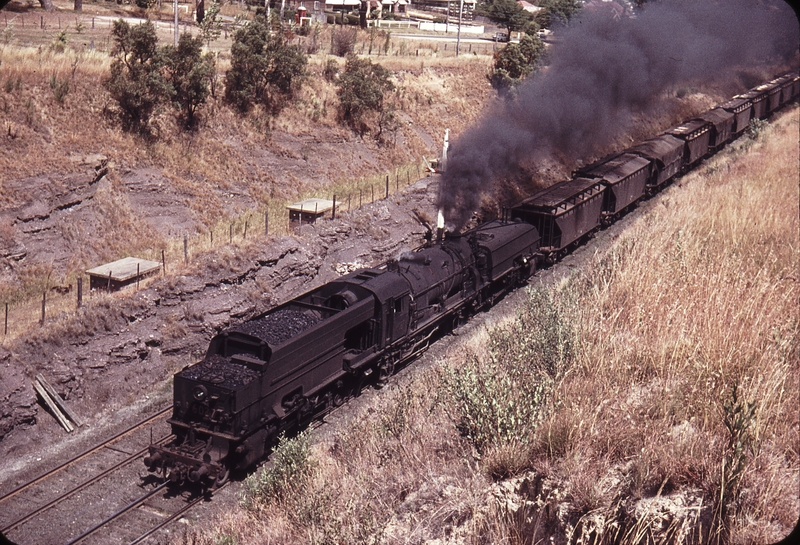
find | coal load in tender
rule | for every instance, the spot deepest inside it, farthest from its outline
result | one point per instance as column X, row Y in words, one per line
column 219, row 371
column 278, row 326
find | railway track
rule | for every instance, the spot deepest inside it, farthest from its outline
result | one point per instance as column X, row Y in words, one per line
column 42, row 505
column 182, row 507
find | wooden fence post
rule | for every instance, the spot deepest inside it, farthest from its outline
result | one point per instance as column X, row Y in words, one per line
column 230, row 234
column 333, row 213
column 266, row 222
column 185, row 252
column 137, row 277
column 245, row 229
column 163, row 263
column 108, row 287
column 80, row 291
column 5, row 331
column 387, row 187
column 44, row 303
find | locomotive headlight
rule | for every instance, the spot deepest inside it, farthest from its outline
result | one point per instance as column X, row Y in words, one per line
column 199, row 393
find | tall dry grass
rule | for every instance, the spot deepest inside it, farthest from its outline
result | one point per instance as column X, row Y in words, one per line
column 689, row 321
column 669, row 368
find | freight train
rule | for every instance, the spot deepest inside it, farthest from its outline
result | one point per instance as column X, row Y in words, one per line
column 278, row 370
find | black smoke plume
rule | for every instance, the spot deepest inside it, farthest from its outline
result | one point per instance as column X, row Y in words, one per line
column 602, row 72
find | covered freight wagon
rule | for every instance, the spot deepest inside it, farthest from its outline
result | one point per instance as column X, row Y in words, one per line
column 563, row 213
column 666, row 157
column 742, row 110
column 695, row 135
column 721, row 127
column 625, row 177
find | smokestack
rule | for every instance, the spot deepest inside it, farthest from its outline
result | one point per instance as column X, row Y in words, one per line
column 439, row 227
column 445, row 147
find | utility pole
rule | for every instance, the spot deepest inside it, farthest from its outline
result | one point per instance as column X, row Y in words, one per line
column 458, row 36
column 176, row 23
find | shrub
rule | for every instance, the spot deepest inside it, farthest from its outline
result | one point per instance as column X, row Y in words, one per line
column 136, row 82
column 739, row 417
column 494, row 406
column 59, row 43
column 343, row 41
column 60, row 88
column 515, row 62
column 756, row 128
column 500, row 401
column 362, row 87
column 189, row 72
column 292, row 467
column 331, row 70
column 264, row 70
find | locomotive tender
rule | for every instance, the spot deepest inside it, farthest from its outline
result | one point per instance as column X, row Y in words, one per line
column 279, row 369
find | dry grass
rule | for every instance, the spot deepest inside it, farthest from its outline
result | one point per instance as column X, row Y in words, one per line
column 675, row 420
column 696, row 299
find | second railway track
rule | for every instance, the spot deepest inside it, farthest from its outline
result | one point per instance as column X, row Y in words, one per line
column 61, row 502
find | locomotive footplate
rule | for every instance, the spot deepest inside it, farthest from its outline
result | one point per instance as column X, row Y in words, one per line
column 201, row 462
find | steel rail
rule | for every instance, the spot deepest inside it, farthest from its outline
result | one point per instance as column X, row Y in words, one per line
column 83, row 455
column 132, row 505
column 172, row 517
column 80, row 487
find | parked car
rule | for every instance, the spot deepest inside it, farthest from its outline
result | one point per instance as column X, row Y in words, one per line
column 501, row 37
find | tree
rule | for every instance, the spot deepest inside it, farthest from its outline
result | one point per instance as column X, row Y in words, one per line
column 188, row 71
column 136, row 81
column 515, row 62
column 211, row 24
column 362, row 89
column 506, row 13
column 47, row 5
column 264, row 68
column 556, row 11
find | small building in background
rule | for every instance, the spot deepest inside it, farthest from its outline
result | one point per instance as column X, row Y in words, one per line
column 308, row 211
column 120, row 273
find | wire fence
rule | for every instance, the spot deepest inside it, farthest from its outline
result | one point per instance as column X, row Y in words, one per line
column 178, row 255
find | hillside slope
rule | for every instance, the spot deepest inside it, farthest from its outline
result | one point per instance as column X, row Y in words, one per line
column 77, row 191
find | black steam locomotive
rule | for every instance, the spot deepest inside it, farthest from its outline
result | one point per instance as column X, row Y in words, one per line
column 272, row 372
column 281, row 368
